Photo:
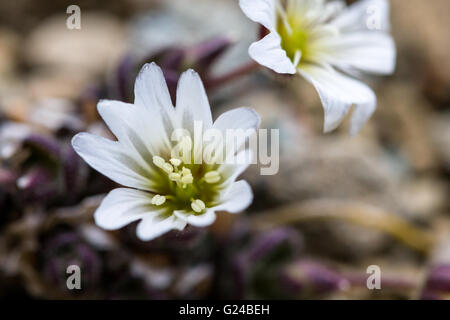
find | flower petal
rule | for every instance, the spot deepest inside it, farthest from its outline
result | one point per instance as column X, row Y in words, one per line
column 192, row 102
column 111, row 159
column 237, row 199
column 150, row 91
column 239, row 118
column 365, row 51
column 155, row 226
column 364, row 15
column 337, row 93
column 237, row 125
column 135, row 128
column 123, row 206
column 197, row 220
column 331, row 9
column 361, row 114
column 262, row 11
column 268, row 52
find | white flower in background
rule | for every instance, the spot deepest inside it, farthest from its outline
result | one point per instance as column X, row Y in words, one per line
column 163, row 191
column 325, row 41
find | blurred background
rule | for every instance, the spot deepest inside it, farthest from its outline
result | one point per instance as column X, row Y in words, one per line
column 338, row 205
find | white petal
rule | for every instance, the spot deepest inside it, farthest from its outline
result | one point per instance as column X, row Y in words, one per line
column 239, row 123
column 268, row 52
column 155, row 226
column 150, row 91
column 365, row 51
column 231, row 172
column 331, row 9
column 261, row 11
column 239, row 118
column 237, row 198
column 123, row 206
column 337, row 93
column 111, row 159
column 197, row 220
column 364, row 15
column 135, row 128
column 234, row 167
column 361, row 114
column 192, row 102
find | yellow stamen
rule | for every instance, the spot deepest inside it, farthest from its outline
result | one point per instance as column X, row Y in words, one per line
column 284, row 18
column 187, row 179
column 167, row 167
column 175, row 162
column 198, row 205
column 212, row 176
column 158, row 161
column 175, row 176
column 158, row 200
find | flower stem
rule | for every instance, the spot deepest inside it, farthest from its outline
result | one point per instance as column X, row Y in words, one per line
column 247, row 68
column 357, row 213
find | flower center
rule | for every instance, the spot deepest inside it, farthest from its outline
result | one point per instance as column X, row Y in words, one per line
column 186, row 186
column 295, row 35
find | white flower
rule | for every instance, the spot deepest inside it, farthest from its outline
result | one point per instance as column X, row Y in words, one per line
column 163, row 192
column 322, row 40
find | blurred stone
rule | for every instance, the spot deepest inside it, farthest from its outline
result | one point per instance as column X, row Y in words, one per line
column 56, row 84
column 422, row 37
column 89, row 50
column 54, row 114
column 9, row 43
column 402, row 123
column 12, row 135
column 25, row 15
column 423, row 198
column 333, row 167
column 350, row 241
column 356, row 229
column 441, row 137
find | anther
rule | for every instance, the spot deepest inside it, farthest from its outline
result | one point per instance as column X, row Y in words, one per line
column 187, row 179
column 212, row 176
column 175, row 162
column 175, row 176
column 158, row 161
column 158, row 200
column 198, row 205
column 167, row 167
